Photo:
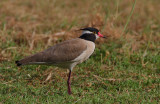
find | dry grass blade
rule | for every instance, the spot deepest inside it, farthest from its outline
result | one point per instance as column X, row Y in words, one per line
column 100, row 80
column 48, row 77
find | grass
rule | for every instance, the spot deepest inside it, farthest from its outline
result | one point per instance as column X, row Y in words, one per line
column 129, row 17
column 125, row 68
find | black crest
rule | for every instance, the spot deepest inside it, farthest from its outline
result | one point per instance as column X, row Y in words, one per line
column 91, row 29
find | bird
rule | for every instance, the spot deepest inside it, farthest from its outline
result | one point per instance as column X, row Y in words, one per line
column 66, row 54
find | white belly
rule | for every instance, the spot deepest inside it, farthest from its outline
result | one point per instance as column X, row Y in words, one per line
column 88, row 52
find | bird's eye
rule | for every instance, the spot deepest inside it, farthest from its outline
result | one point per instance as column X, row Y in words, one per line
column 94, row 32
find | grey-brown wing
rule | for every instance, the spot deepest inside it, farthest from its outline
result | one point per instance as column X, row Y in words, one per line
column 62, row 52
column 66, row 51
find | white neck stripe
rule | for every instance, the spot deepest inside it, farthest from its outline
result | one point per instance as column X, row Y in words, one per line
column 85, row 31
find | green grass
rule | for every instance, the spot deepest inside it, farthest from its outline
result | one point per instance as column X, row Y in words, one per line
column 117, row 79
column 122, row 70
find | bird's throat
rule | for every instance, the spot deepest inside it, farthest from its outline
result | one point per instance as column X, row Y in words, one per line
column 89, row 37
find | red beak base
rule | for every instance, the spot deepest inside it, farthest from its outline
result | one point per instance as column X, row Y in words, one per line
column 100, row 35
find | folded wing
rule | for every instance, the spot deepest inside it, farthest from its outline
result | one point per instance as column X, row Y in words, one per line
column 60, row 53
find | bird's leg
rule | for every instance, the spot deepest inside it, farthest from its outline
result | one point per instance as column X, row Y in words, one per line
column 69, row 83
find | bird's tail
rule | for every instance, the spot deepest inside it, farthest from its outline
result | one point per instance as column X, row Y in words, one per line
column 24, row 61
column 18, row 63
column 33, row 59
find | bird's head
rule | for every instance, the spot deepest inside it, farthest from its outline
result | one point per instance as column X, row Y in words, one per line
column 91, row 34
